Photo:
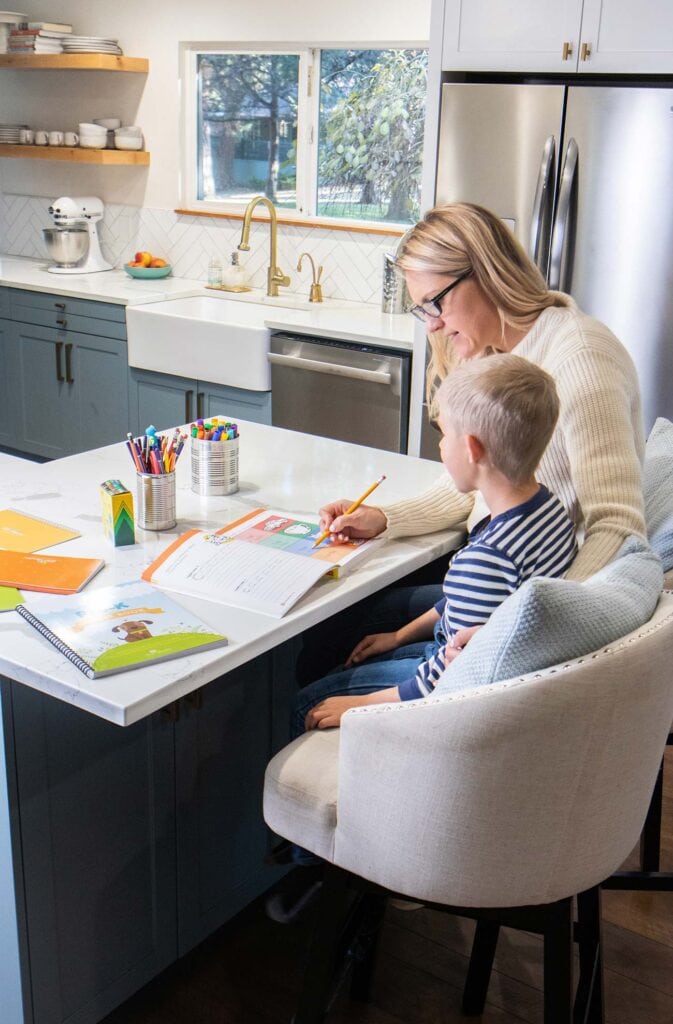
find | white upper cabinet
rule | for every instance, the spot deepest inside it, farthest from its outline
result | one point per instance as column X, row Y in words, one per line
column 563, row 36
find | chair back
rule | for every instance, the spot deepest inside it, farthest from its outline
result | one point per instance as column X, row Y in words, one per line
column 519, row 793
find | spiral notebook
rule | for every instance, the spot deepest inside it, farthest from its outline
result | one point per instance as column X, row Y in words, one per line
column 114, row 629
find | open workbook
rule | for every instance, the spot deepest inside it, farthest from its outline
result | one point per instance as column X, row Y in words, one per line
column 265, row 562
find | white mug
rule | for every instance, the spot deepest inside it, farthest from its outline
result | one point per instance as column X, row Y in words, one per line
column 41, row 137
column 55, row 138
column 26, row 136
column 71, row 138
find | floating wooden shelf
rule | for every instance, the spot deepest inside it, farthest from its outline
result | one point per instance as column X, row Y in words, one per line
column 73, row 62
column 118, row 157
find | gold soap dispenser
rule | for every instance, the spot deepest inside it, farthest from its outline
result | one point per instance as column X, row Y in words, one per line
column 234, row 276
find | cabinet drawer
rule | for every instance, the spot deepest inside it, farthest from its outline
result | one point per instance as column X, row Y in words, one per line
column 84, row 315
column 4, row 303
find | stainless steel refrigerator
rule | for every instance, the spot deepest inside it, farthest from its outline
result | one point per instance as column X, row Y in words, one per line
column 583, row 174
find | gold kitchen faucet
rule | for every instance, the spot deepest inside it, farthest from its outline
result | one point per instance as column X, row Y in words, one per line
column 274, row 275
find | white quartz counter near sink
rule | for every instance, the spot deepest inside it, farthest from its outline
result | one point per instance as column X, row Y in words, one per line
column 348, row 321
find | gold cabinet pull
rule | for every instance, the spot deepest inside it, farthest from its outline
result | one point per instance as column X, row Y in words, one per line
column 567, row 51
column 585, row 51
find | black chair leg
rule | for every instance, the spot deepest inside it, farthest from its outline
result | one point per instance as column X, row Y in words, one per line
column 479, row 970
column 589, row 1003
column 650, row 837
column 558, row 963
column 365, row 944
column 317, row 987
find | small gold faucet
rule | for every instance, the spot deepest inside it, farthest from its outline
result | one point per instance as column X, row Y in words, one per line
column 315, row 295
column 274, row 275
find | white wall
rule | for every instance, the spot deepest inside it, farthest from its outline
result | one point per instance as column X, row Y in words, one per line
column 153, row 29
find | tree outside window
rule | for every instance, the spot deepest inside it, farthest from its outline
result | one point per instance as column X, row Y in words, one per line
column 362, row 127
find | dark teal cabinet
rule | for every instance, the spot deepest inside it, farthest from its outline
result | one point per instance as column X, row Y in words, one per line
column 163, row 400
column 5, row 384
column 68, row 366
column 131, row 845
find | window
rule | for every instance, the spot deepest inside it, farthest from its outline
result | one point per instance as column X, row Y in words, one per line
column 335, row 134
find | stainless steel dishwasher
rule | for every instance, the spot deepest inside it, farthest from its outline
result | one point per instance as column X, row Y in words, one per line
column 341, row 389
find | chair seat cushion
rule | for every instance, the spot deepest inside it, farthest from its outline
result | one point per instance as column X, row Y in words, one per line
column 300, row 791
column 550, row 621
column 658, row 490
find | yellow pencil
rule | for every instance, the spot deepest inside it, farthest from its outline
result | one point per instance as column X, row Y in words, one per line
column 356, row 504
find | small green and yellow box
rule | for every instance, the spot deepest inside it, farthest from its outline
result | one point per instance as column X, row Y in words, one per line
column 117, row 505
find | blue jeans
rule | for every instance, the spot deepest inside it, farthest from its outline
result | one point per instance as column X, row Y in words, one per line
column 392, row 609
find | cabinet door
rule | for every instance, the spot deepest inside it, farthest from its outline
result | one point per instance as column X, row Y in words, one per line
column 100, row 371
column 234, row 403
column 6, row 391
column 94, row 820
column 46, row 415
column 223, row 742
column 620, row 36
column 498, row 35
column 160, row 399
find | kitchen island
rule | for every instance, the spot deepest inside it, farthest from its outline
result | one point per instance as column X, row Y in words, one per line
column 130, row 811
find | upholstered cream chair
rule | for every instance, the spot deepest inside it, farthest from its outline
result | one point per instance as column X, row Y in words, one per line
column 502, row 802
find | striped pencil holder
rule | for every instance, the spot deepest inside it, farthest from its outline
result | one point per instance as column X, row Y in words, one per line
column 156, row 501
column 214, row 467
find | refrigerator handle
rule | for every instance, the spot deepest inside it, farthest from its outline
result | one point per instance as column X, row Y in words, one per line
column 558, row 279
column 542, row 207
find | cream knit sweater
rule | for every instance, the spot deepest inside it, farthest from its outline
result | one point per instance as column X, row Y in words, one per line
column 594, row 459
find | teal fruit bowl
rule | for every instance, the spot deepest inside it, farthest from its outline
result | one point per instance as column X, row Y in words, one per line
column 147, row 272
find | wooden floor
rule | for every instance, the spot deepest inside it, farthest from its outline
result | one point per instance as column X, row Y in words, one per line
column 250, row 971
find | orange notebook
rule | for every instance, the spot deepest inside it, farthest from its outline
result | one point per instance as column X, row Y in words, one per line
column 54, row 574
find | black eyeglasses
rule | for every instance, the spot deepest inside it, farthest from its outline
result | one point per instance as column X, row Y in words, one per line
column 431, row 308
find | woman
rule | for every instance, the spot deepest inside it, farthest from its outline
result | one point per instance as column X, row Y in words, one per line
column 477, row 292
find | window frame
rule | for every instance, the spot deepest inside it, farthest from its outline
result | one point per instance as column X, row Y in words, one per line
column 308, row 127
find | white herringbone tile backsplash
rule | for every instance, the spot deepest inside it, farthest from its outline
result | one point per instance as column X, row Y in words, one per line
column 352, row 261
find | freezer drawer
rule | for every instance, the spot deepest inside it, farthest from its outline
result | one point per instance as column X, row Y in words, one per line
column 342, row 390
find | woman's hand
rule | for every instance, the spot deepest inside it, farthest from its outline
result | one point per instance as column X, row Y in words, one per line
column 367, row 521
column 461, row 639
column 374, row 643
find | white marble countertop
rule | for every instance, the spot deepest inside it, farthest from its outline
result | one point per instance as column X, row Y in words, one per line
column 282, row 469
column 348, row 321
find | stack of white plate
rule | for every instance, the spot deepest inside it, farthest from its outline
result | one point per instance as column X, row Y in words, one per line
column 90, row 44
column 9, row 133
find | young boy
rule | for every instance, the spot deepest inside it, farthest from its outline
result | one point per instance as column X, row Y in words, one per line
column 496, row 415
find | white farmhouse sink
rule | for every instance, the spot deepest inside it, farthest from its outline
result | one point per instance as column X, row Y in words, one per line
column 212, row 339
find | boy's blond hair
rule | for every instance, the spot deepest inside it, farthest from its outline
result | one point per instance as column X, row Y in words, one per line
column 509, row 404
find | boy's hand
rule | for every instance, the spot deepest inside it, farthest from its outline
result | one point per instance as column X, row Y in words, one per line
column 374, row 643
column 327, row 714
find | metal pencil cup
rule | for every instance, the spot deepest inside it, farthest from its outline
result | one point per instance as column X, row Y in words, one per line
column 214, row 466
column 156, row 501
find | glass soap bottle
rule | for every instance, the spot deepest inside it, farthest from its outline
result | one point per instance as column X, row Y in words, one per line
column 214, row 273
column 234, row 276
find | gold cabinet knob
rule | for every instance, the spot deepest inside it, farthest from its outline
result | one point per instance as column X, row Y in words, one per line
column 585, row 51
column 567, row 51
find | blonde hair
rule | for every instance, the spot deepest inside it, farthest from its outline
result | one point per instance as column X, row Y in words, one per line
column 510, row 404
column 462, row 237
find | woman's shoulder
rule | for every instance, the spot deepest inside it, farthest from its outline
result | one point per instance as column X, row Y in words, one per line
column 566, row 332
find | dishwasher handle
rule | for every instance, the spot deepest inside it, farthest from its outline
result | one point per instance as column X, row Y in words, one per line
column 335, row 369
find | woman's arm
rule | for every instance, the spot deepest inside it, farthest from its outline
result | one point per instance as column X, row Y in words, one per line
column 603, row 442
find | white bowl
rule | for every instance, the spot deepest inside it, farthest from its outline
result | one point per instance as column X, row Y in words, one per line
column 128, row 142
column 129, row 129
column 93, row 141
column 92, row 129
column 108, row 122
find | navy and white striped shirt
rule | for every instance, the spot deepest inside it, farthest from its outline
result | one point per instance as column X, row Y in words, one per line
column 535, row 538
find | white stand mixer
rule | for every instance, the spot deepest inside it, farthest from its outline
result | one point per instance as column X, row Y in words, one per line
column 70, row 214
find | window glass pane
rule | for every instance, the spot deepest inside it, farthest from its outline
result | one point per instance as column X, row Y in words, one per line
column 372, row 112
column 247, row 126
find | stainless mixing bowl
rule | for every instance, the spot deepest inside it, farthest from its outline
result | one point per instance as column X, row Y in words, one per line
column 66, row 246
